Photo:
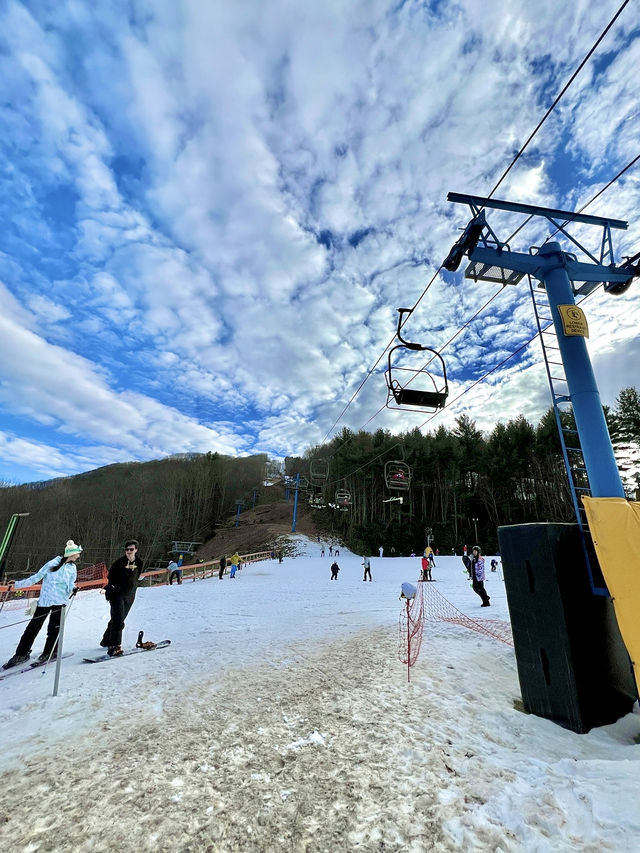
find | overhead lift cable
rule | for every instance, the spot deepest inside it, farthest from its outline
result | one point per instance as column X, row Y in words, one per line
column 504, row 175
column 562, row 92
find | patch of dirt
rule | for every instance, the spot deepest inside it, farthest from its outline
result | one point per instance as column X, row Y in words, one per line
column 297, row 757
column 266, row 526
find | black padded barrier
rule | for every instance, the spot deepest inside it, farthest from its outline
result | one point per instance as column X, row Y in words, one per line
column 572, row 664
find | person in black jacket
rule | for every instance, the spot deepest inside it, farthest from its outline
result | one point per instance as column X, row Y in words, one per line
column 120, row 592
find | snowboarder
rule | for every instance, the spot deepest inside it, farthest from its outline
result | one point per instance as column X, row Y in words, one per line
column 426, row 569
column 120, row 592
column 477, row 575
column 335, row 568
column 494, row 565
column 367, row 568
column 174, row 571
column 222, row 566
column 58, row 583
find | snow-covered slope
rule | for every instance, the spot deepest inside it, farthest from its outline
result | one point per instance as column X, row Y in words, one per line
column 280, row 718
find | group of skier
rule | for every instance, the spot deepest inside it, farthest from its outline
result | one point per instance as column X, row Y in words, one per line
column 58, row 578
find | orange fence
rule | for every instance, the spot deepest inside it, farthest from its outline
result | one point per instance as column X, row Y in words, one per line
column 193, row 571
column 90, row 577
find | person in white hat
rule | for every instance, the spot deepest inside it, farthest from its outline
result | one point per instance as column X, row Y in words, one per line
column 58, row 578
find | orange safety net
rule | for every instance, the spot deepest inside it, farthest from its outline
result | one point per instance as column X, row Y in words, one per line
column 92, row 576
column 89, row 577
column 438, row 609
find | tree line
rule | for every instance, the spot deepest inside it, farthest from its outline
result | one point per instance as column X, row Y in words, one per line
column 155, row 502
column 514, row 474
column 464, row 485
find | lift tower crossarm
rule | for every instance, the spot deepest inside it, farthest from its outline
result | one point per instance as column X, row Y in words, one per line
column 477, row 202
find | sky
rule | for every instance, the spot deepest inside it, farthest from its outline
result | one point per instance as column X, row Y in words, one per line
column 211, row 212
column 281, row 718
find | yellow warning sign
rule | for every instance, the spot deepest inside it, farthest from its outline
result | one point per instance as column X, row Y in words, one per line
column 574, row 321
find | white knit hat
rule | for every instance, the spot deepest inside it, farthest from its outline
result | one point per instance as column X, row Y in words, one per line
column 72, row 548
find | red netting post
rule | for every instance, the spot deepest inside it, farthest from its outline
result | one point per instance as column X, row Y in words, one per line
column 407, row 605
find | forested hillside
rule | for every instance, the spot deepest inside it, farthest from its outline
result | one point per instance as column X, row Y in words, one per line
column 513, row 475
column 463, row 482
column 154, row 502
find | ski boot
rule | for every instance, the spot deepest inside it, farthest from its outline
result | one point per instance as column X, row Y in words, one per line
column 15, row 660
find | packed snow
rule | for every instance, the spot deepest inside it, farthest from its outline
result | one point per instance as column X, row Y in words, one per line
column 280, row 718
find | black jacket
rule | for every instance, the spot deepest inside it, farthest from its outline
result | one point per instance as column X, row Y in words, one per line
column 124, row 576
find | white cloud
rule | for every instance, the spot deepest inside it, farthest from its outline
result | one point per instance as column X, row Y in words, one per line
column 259, row 186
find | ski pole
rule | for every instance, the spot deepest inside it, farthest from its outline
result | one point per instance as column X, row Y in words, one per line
column 63, row 617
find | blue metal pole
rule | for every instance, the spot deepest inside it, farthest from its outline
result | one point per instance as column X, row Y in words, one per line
column 600, row 462
column 295, row 503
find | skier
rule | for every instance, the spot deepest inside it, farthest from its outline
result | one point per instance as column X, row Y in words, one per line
column 331, row 550
column 58, row 583
column 477, row 574
column 322, row 551
column 222, row 566
column 381, row 550
column 367, row 568
column 335, row 568
column 120, row 592
column 234, row 564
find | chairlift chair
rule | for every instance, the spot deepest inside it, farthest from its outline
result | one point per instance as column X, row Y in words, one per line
column 401, row 396
column 343, row 498
column 397, row 475
column 319, row 471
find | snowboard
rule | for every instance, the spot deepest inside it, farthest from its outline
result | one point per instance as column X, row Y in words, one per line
column 161, row 645
column 36, row 664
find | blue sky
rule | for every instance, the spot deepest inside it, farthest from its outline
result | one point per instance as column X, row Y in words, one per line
column 211, row 211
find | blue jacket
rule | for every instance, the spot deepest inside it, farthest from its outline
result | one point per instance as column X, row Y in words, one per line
column 56, row 586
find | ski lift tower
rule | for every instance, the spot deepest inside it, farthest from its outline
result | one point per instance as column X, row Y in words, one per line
column 572, row 663
column 563, row 277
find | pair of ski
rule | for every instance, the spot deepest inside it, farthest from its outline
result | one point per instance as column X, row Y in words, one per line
column 33, row 665
column 139, row 648
column 36, row 664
